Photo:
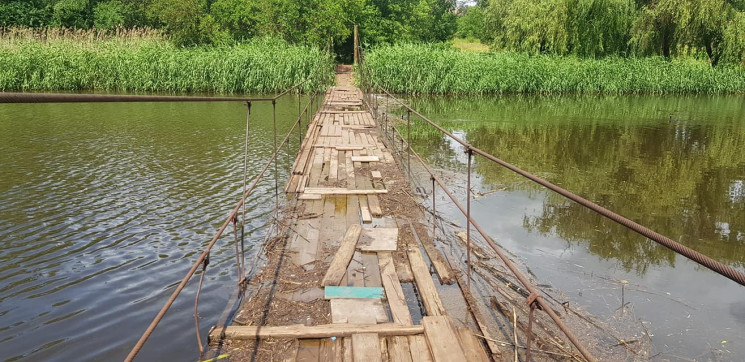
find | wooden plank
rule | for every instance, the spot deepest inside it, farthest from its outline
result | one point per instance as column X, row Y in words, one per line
column 404, row 272
column 308, row 350
column 319, row 331
column 393, row 292
column 374, row 204
column 424, row 283
column 419, row 349
column 305, row 196
column 376, row 175
column 471, row 347
column 332, row 292
column 365, row 211
column 355, row 276
column 365, row 159
column 398, row 349
column 348, row 350
column 342, row 191
column 378, row 239
column 349, row 148
column 444, row 272
column 366, row 347
column 358, row 311
column 343, row 255
column 442, row 339
column 334, row 166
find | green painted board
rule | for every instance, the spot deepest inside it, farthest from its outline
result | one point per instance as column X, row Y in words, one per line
column 332, row 292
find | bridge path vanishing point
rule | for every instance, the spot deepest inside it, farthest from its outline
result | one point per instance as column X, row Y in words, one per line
column 346, row 248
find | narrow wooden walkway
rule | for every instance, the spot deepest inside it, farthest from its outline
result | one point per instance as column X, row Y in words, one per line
column 340, row 282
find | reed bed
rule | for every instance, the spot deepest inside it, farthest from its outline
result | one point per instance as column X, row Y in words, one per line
column 427, row 69
column 144, row 61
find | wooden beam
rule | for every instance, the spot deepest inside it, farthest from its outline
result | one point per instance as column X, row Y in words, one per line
column 443, row 269
column 419, row 349
column 471, row 346
column 319, row 331
column 331, row 292
column 343, row 255
column 305, row 196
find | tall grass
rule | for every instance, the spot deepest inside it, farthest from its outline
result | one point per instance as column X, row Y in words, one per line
column 147, row 62
column 411, row 68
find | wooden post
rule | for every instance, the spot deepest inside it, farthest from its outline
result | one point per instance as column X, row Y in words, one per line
column 355, row 44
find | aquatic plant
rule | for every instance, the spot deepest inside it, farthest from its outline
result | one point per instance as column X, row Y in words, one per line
column 412, row 68
column 90, row 61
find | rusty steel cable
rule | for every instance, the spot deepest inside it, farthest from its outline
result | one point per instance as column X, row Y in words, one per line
column 141, row 342
column 724, row 270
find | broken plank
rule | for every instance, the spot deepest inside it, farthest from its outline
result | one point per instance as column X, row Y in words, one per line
column 366, row 347
column 442, row 339
column 319, row 331
column 425, row 284
column 443, row 269
column 374, row 204
column 332, row 292
column 343, row 255
column 393, row 292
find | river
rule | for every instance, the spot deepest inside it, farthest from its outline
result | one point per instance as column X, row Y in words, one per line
column 675, row 164
column 103, row 208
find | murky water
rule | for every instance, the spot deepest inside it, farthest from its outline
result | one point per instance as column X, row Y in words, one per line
column 674, row 164
column 103, row 209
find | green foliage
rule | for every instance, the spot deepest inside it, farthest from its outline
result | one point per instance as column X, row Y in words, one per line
column 34, row 13
column 108, row 14
column 733, row 40
column 599, row 27
column 71, row 13
column 426, row 69
column 471, row 24
column 151, row 64
column 531, row 26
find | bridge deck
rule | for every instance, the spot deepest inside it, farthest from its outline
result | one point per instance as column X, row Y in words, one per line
column 332, row 289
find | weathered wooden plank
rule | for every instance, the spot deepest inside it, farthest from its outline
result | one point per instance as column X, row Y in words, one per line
column 305, row 196
column 365, row 159
column 398, row 349
column 358, row 311
column 374, row 204
column 442, row 339
column 366, row 347
column 404, row 272
column 334, row 166
column 471, row 347
column 378, row 239
column 376, row 175
column 419, row 349
column 444, row 272
column 393, row 292
column 342, row 191
column 343, row 255
column 333, row 292
column 319, row 331
column 365, row 211
column 424, row 283
column 309, row 350
column 348, row 349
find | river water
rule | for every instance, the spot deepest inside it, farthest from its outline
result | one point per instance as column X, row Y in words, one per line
column 674, row 164
column 103, row 208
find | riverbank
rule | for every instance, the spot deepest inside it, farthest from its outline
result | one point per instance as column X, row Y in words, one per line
column 150, row 63
column 427, row 69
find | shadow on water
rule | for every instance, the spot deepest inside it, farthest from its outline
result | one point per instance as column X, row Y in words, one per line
column 675, row 164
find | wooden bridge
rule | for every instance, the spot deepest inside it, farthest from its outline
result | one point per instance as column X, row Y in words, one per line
column 332, row 287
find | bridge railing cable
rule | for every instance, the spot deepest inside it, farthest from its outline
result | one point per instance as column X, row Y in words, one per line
column 534, row 299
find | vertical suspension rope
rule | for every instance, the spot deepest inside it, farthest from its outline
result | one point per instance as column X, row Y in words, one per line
column 196, row 304
column 245, row 179
column 276, row 173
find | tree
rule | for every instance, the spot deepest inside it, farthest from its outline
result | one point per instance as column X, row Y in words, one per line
column 108, row 14
column 471, row 23
column 71, row 13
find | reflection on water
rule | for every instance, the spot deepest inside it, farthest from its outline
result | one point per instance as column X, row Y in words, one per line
column 103, row 208
column 674, row 164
